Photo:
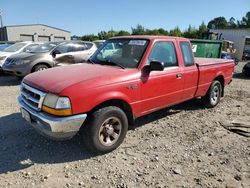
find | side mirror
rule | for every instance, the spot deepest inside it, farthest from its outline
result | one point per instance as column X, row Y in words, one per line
column 156, row 66
column 55, row 52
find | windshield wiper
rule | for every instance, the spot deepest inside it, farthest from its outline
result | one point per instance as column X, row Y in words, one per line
column 108, row 62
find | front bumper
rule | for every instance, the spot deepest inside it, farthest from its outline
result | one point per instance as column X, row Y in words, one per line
column 57, row 128
column 13, row 70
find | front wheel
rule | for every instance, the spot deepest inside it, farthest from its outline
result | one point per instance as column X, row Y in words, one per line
column 40, row 67
column 212, row 98
column 105, row 129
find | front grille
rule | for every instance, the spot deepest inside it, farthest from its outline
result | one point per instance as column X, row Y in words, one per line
column 32, row 97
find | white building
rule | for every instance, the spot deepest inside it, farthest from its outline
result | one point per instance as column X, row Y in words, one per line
column 33, row 32
column 240, row 37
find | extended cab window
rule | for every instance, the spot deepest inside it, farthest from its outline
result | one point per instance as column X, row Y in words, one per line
column 187, row 54
column 164, row 52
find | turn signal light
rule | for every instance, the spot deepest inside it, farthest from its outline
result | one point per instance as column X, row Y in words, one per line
column 57, row 112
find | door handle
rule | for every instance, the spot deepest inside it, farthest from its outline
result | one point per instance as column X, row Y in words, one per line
column 179, row 76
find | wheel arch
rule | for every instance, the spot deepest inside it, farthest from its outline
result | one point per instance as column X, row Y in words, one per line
column 221, row 79
column 120, row 103
column 40, row 63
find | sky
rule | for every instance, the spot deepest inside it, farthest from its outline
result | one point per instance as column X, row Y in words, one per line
column 82, row 17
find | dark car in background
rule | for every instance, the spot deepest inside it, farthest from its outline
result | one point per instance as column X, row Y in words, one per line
column 48, row 55
column 246, row 69
column 246, row 55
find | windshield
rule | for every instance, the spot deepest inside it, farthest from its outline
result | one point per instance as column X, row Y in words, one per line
column 30, row 47
column 15, row 47
column 46, row 47
column 125, row 53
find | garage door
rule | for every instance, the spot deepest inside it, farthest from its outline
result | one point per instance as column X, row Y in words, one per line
column 57, row 39
column 44, row 38
column 26, row 38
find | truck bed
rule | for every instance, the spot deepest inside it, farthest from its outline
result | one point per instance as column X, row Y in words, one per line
column 211, row 61
column 209, row 69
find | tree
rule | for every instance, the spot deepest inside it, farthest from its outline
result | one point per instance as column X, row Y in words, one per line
column 138, row 30
column 152, row 32
column 218, row 23
column 191, row 32
column 246, row 20
column 102, row 35
column 90, row 37
column 202, row 29
column 232, row 23
column 123, row 33
column 162, row 31
column 175, row 32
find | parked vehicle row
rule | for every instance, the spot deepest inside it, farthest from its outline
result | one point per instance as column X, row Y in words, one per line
column 24, row 58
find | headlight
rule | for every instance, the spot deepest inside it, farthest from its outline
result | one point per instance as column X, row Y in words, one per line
column 2, row 57
column 21, row 61
column 56, row 105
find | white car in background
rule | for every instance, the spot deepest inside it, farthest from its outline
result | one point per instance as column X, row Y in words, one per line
column 17, row 48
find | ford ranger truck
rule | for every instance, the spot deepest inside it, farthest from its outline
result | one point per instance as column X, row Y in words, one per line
column 101, row 98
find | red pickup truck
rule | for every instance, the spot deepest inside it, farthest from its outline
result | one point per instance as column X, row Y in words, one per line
column 126, row 78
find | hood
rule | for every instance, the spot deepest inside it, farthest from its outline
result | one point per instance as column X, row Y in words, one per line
column 55, row 80
column 6, row 53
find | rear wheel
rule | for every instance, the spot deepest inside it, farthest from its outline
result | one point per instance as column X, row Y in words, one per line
column 212, row 98
column 40, row 67
column 105, row 129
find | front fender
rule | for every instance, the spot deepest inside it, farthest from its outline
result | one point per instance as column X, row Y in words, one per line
column 85, row 100
column 40, row 61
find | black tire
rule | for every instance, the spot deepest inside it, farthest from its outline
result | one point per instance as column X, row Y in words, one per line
column 40, row 67
column 105, row 129
column 213, row 96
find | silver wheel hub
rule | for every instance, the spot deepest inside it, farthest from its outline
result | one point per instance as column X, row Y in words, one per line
column 110, row 131
column 215, row 95
column 43, row 68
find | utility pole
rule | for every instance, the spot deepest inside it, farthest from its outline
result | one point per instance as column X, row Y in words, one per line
column 1, row 18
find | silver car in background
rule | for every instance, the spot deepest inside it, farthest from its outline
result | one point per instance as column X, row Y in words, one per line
column 15, row 49
column 48, row 55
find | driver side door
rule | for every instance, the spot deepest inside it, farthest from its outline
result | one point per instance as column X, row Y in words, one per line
column 160, row 89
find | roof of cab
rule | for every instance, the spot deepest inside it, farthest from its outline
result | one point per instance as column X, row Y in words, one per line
column 149, row 37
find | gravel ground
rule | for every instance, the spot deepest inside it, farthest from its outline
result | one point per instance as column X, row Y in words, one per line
column 182, row 146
